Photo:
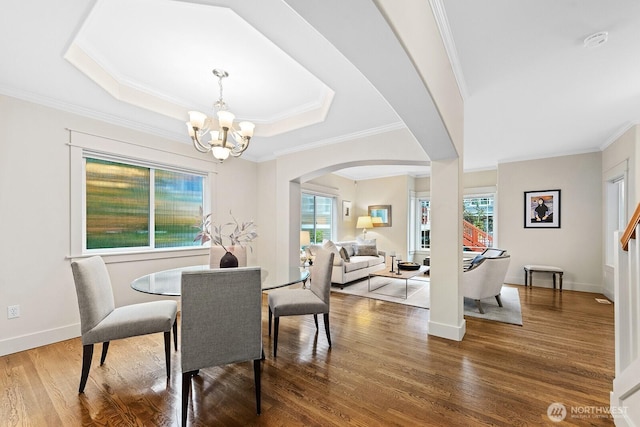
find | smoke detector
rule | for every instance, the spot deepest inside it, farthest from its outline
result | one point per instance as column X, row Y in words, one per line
column 597, row 39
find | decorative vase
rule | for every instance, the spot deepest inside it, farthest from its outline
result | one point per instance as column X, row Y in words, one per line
column 228, row 260
column 216, row 253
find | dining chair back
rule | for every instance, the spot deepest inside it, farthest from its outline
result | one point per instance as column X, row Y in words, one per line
column 221, row 323
column 320, row 283
column 313, row 300
column 102, row 322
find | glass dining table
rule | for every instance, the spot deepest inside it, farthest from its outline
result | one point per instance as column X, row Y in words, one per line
column 167, row 282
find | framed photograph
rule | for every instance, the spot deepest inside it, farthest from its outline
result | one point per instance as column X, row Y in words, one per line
column 542, row 209
column 380, row 215
column 346, row 210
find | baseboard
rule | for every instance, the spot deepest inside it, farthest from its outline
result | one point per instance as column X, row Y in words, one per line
column 38, row 339
column 450, row 332
column 566, row 285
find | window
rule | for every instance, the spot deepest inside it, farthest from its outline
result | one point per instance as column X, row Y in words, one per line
column 139, row 206
column 615, row 215
column 425, row 224
column 317, row 216
column 478, row 222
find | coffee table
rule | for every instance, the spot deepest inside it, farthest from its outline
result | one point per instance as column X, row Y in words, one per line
column 404, row 274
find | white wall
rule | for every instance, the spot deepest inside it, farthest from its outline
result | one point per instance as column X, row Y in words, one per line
column 577, row 246
column 392, row 191
column 35, row 220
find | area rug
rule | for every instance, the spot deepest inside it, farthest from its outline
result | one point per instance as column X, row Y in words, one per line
column 393, row 290
column 510, row 312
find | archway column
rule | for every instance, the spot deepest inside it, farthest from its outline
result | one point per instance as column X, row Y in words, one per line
column 446, row 313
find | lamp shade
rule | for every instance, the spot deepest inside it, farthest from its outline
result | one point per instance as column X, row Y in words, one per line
column 305, row 238
column 364, row 222
column 376, row 220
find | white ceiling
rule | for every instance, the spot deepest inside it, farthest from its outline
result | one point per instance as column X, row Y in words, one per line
column 307, row 75
column 531, row 89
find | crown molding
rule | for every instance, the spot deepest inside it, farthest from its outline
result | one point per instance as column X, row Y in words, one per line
column 341, row 138
column 89, row 113
column 447, row 38
column 617, row 134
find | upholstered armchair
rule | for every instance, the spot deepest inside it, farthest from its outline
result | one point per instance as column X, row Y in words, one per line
column 485, row 279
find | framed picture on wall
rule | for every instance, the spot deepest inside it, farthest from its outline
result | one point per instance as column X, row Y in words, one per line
column 542, row 209
column 346, row 210
column 380, row 215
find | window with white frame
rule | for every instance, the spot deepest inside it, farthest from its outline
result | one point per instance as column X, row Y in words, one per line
column 478, row 222
column 129, row 204
column 317, row 216
column 616, row 219
column 424, row 224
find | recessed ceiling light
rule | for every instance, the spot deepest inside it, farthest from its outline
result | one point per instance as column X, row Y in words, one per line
column 596, row 39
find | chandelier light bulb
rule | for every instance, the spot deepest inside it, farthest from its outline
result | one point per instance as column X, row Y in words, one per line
column 220, row 153
column 226, row 119
column 246, row 128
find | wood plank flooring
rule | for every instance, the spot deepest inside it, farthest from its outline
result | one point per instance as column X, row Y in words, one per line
column 383, row 370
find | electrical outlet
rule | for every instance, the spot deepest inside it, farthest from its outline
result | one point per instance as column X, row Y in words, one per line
column 13, row 311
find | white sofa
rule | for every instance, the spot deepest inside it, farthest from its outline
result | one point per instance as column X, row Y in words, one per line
column 354, row 259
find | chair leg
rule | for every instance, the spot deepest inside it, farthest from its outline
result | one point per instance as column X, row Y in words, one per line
column 479, row 304
column 256, row 379
column 276, row 324
column 167, row 352
column 105, row 348
column 175, row 334
column 326, row 327
column 186, row 387
column 87, row 354
column 499, row 300
column 315, row 319
column 270, row 316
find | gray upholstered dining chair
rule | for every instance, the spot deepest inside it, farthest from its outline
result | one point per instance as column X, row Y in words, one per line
column 313, row 300
column 102, row 322
column 221, row 323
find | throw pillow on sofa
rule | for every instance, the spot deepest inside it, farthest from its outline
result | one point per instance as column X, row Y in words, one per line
column 330, row 246
column 350, row 250
column 366, row 250
column 344, row 254
column 361, row 241
column 365, row 247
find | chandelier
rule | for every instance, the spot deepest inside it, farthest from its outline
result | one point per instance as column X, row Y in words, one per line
column 219, row 145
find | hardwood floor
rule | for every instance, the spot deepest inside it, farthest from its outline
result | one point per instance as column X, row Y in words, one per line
column 382, row 370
